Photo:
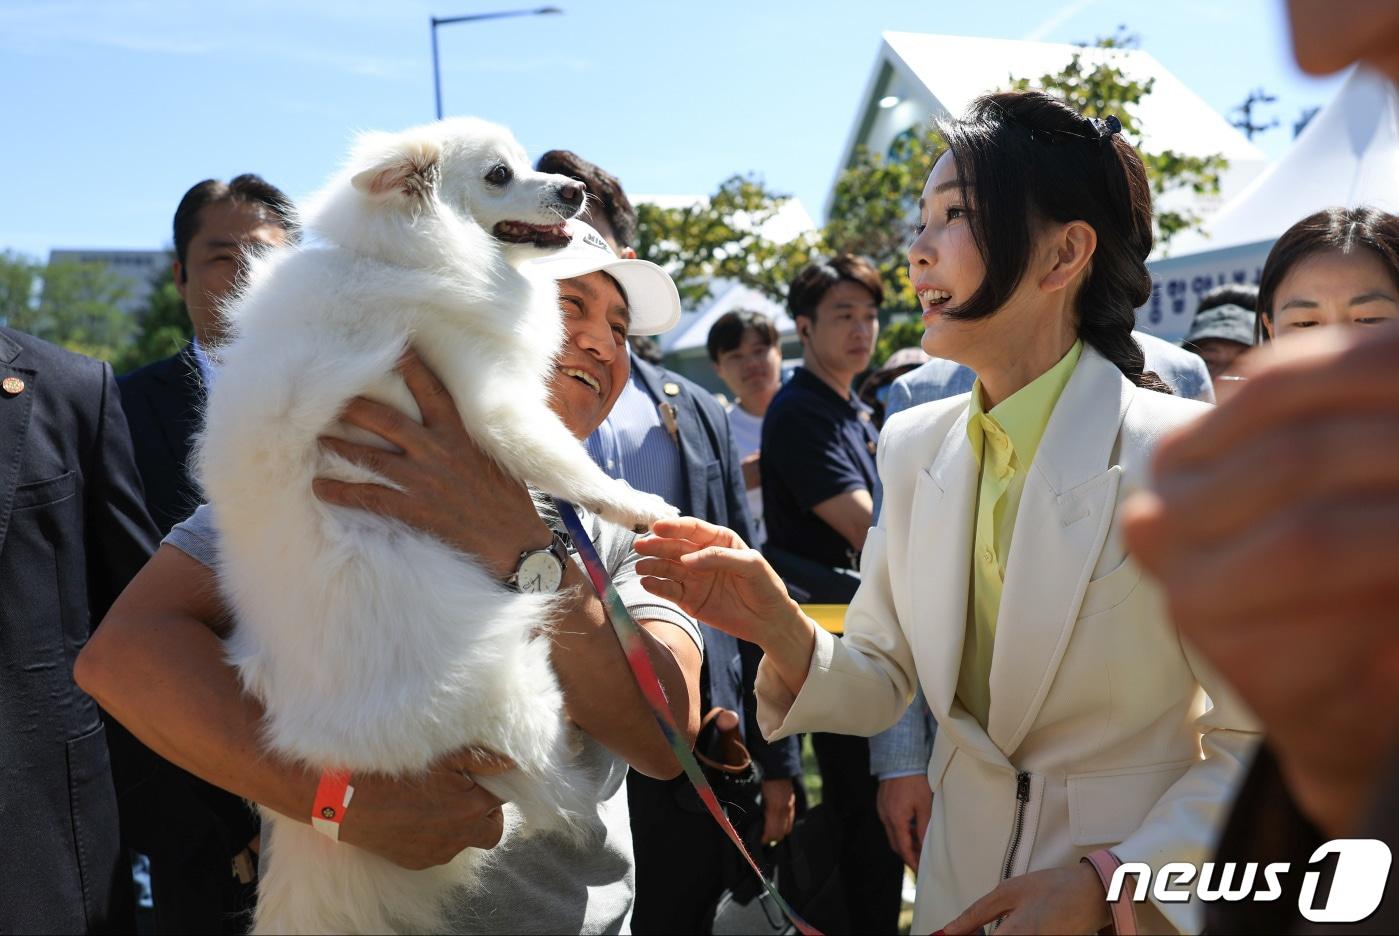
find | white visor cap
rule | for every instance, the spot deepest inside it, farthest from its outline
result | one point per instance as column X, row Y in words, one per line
column 651, row 295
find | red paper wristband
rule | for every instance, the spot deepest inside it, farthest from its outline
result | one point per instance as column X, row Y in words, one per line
column 333, row 795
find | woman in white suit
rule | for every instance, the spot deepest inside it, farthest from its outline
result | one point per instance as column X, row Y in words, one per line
column 1075, row 730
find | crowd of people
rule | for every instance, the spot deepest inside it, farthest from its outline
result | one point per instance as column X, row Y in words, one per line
column 1024, row 516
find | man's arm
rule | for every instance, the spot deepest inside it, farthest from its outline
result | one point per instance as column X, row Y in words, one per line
column 804, row 453
column 158, row 666
column 849, row 514
column 601, row 696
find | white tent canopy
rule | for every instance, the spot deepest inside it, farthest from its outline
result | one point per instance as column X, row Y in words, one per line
column 1347, row 156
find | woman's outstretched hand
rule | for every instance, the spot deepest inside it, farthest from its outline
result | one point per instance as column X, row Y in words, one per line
column 713, row 576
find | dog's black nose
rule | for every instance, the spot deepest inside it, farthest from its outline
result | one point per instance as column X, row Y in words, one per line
column 571, row 194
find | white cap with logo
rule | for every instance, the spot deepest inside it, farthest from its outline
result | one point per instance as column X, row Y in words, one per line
column 651, row 295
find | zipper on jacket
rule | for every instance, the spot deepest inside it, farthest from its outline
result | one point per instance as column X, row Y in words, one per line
column 1017, row 832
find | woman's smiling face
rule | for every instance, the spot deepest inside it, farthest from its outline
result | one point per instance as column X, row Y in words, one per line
column 944, row 264
column 1334, row 288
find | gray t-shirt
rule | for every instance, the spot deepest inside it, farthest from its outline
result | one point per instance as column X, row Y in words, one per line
column 545, row 883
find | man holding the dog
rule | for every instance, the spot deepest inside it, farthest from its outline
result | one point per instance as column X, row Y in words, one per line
column 157, row 661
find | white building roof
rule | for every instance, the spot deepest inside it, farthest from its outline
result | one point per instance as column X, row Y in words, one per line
column 920, row 76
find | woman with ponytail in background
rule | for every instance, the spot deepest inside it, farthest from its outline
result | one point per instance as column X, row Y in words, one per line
column 1075, row 731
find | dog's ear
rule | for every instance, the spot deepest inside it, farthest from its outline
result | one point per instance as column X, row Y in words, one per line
column 408, row 171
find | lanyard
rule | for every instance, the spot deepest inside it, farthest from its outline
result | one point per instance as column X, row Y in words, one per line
column 629, row 636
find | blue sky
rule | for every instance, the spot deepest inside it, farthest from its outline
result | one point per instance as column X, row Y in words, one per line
column 115, row 107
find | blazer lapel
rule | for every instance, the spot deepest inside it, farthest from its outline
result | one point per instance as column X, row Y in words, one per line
column 942, row 514
column 1065, row 513
column 15, row 413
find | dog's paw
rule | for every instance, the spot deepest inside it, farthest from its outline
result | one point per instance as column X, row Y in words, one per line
column 635, row 510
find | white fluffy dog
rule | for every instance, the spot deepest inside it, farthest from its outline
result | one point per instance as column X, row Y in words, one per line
column 373, row 647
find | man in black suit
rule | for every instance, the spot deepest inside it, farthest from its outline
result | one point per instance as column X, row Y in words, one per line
column 203, row 857
column 669, row 436
column 215, row 223
column 73, row 531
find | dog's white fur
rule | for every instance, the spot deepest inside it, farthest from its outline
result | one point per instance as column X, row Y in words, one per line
column 376, row 648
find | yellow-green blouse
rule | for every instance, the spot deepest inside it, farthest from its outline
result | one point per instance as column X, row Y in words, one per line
column 1004, row 443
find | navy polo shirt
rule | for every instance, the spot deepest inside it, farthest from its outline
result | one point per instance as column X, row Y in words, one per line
column 816, row 446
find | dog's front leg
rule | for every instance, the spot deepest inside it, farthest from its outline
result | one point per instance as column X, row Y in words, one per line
column 531, row 443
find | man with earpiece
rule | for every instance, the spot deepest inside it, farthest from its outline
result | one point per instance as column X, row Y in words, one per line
column 820, row 483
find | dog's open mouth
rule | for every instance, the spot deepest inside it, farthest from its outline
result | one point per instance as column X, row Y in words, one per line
column 540, row 235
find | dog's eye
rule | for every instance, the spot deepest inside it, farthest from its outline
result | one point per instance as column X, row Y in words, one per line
column 499, row 175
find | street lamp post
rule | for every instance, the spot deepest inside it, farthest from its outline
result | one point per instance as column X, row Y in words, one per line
column 470, row 18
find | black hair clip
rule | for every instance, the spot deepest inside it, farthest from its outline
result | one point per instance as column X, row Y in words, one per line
column 1105, row 131
column 1109, row 127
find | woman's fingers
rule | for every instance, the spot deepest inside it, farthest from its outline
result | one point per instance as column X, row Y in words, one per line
column 671, row 591
column 985, row 910
column 428, row 391
column 664, row 548
column 661, row 568
column 746, row 563
column 697, row 531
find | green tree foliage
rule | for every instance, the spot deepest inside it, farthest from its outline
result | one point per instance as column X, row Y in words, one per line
column 722, row 237
column 77, row 306
column 165, row 327
column 19, row 277
column 1103, row 89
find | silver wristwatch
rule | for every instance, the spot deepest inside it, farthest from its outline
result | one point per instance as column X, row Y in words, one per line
column 540, row 571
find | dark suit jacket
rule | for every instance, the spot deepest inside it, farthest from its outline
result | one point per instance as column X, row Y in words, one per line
column 163, row 403
column 714, row 484
column 196, row 828
column 73, row 531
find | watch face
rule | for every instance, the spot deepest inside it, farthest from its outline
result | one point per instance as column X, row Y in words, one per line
column 540, row 573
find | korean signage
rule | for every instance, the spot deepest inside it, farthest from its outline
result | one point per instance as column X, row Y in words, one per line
column 1178, row 283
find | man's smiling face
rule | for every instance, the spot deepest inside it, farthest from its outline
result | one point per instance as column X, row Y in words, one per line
column 593, row 365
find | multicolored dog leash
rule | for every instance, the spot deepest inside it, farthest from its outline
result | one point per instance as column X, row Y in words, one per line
column 629, row 636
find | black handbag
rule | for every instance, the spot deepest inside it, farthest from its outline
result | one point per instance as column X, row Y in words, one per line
column 805, row 869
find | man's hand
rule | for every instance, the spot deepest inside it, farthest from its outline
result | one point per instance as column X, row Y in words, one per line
column 1273, row 527
column 752, row 473
column 449, row 487
column 904, row 805
column 430, row 820
column 1058, row 900
column 779, row 809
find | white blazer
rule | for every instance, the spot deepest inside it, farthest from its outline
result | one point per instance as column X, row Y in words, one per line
column 1100, row 732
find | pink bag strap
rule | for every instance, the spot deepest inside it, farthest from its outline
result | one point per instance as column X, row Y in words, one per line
column 1124, row 914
